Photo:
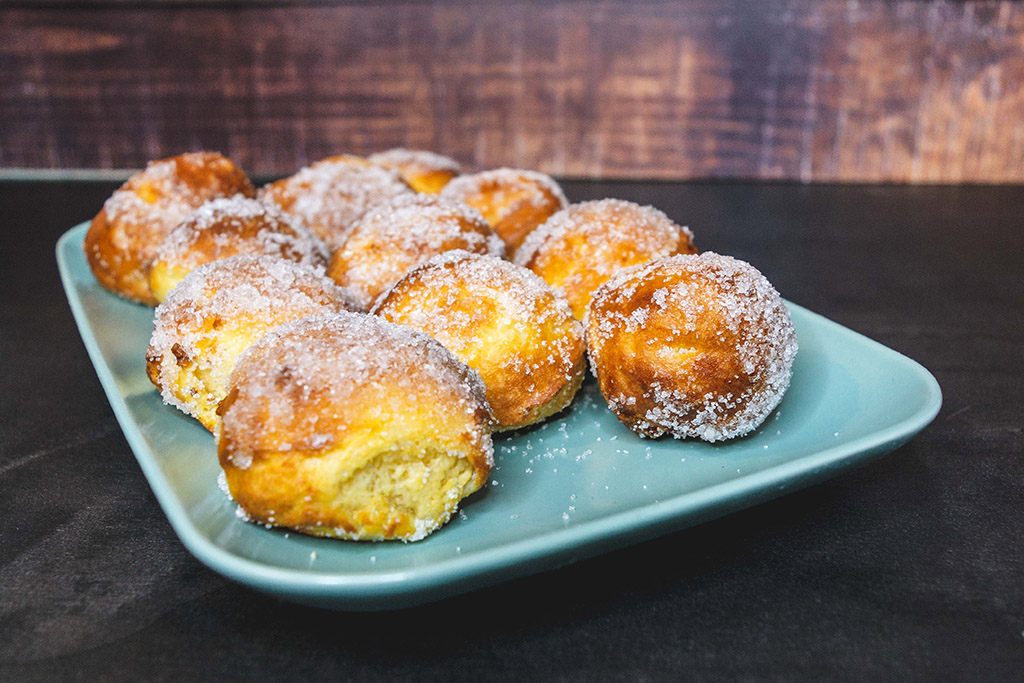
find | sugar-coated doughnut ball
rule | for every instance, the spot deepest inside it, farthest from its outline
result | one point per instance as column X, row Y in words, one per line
column 425, row 172
column 134, row 221
column 693, row 346
column 389, row 240
column 350, row 427
column 331, row 194
column 578, row 249
column 513, row 201
column 227, row 227
column 501, row 320
column 217, row 312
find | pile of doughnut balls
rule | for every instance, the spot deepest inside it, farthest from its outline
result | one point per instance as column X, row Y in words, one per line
column 354, row 334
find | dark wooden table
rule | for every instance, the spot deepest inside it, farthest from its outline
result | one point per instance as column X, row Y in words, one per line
column 911, row 568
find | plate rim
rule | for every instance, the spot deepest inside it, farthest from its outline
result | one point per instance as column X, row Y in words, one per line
column 401, row 586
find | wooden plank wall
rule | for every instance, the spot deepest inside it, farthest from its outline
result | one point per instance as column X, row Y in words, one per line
column 786, row 89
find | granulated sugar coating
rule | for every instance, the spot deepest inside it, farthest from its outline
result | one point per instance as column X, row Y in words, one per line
column 351, row 427
column 514, row 201
column 400, row 157
column 126, row 233
column 217, row 312
column 504, row 322
column 227, row 227
column 392, row 238
column 695, row 346
column 425, row 171
column 578, row 249
column 331, row 194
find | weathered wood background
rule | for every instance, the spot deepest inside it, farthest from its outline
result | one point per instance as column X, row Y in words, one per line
column 816, row 91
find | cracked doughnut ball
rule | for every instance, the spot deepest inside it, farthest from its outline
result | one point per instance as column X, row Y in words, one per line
column 513, row 201
column 693, row 346
column 350, row 427
column 216, row 313
column 227, row 227
column 124, row 236
column 425, row 172
column 392, row 238
column 579, row 248
column 501, row 320
column 332, row 193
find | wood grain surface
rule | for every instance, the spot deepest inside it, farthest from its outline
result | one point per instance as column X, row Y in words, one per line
column 815, row 91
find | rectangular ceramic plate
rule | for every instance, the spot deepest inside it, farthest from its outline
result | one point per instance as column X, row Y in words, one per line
column 576, row 486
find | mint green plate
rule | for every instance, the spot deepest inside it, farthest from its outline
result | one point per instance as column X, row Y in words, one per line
column 576, row 486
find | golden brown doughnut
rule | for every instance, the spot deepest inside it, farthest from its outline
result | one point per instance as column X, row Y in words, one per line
column 216, row 313
column 332, row 193
column 695, row 346
column 579, row 248
column 501, row 320
column 513, row 201
column 350, row 427
column 390, row 239
column 227, row 227
column 125, row 234
column 425, row 172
